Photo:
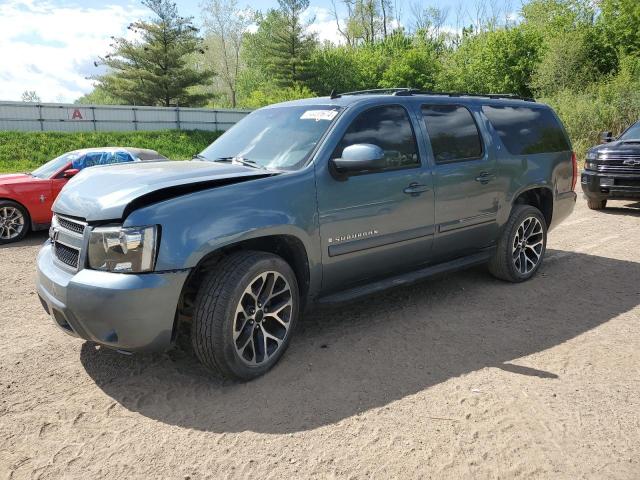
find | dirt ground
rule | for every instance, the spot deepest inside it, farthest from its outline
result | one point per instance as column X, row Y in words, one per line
column 460, row 376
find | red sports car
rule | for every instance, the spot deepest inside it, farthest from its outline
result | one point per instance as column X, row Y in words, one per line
column 26, row 198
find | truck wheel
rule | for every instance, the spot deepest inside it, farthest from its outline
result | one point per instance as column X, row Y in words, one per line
column 245, row 314
column 14, row 222
column 521, row 246
column 595, row 204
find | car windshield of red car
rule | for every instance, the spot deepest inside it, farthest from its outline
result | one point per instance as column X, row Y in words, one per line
column 53, row 166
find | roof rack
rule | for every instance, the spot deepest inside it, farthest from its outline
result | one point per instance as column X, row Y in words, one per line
column 381, row 91
column 412, row 91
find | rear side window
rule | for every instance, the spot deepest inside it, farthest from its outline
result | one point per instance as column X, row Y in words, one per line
column 453, row 133
column 389, row 128
column 526, row 130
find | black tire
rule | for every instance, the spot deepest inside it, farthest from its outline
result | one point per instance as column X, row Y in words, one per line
column 503, row 264
column 215, row 318
column 25, row 216
column 596, row 204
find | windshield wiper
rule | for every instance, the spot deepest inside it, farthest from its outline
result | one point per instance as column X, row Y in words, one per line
column 242, row 161
column 199, row 157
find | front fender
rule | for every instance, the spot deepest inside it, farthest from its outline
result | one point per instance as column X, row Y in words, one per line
column 199, row 223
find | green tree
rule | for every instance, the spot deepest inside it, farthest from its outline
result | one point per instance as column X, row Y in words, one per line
column 416, row 66
column 621, row 21
column 565, row 64
column 282, row 47
column 226, row 25
column 155, row 70
column 499, row 61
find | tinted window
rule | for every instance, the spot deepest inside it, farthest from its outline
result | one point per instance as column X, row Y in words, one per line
column 526, row 130
column 390, row 129
column 453, row 133
column 632, row 133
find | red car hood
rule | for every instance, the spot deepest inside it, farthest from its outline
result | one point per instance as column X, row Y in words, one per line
column 14, row 178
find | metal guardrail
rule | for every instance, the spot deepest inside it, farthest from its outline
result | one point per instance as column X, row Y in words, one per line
column 25, row 116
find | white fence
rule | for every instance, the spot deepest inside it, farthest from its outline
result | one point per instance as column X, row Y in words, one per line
column 64, row 117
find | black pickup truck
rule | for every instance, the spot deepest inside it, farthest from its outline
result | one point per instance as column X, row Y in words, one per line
column 612, row 169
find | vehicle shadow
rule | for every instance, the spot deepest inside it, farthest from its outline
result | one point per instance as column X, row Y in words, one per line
column 32, row 239
column 345, row 360
column 623, row 207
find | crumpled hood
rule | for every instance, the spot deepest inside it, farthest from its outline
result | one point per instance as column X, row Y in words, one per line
column 105, row 193
column 13, row 178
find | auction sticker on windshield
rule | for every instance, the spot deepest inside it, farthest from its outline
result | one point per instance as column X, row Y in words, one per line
column 318, row 115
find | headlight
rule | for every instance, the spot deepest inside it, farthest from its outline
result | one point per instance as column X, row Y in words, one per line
column 590, row 161
column 123, row 250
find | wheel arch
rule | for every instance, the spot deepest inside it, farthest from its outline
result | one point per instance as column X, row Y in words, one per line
column 540, row 196
column 287, row 246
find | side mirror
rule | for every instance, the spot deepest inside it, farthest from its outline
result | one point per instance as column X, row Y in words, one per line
column 606, row 137
column 358, row 158
column 70, row 172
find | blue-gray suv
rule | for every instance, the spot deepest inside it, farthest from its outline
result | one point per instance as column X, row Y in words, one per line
column 317, row 200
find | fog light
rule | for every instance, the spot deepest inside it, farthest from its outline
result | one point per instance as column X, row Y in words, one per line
column 606, row 182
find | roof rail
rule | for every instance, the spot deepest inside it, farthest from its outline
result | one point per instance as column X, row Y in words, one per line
column 413, row 91
column 380, row 91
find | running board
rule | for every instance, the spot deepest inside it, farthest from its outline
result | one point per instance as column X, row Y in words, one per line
column 408, row 278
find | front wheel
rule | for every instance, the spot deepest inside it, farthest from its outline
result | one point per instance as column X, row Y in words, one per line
column 596, row 204
column 245, row 314
column 521, row 246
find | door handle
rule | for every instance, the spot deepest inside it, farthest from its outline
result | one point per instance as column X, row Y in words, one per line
column 485, row 177
column 414, row 189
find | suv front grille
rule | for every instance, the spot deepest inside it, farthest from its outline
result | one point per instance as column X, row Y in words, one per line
column 67, row 255
column 70, row 224
column 616, row 163
column 67, row 240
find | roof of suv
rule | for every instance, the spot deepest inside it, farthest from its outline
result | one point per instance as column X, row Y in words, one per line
column 404, row 94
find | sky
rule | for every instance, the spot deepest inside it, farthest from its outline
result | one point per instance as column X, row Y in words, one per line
column 50, row 45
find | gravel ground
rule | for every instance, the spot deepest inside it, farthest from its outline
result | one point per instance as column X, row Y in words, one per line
column 460, row 376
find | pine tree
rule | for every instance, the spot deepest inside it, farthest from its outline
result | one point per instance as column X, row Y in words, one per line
column 281, row 44
column 155, row 69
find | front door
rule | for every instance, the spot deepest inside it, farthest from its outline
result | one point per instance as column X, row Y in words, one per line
column 465, row 182
column 380, row 222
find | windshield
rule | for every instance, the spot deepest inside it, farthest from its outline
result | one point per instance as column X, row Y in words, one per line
column 52, row 166
column 632, row 133
column 280, row 138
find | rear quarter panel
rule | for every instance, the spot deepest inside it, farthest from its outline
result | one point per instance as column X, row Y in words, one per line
column 519, row 173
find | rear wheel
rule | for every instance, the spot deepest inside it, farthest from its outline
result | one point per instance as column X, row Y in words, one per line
column 14, row 222
column 246, row 312
column 596, row 204
column 521, row 246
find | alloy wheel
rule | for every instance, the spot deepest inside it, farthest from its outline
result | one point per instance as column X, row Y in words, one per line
column 527, row 246
column 262, row 318
column 11, row 223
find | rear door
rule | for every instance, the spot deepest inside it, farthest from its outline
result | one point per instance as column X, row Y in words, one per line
column 381, row 222
column 466, row 192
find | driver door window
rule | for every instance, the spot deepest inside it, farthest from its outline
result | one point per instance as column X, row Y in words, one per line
column 389, row 128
